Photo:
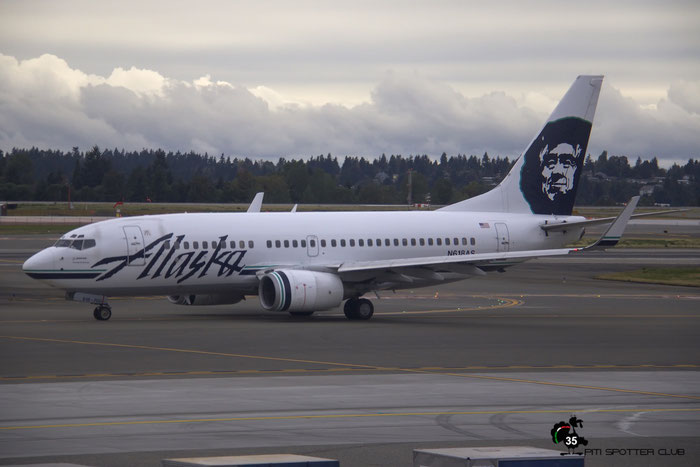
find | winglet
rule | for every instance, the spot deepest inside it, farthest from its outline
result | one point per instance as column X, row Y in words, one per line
column 256, row 204
column 294, row 209
column 611, row 236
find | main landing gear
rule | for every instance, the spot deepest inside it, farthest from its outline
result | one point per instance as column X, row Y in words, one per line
column 358, row 309
column 102, row 312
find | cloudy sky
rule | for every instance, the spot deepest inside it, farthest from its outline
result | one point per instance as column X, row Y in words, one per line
column 302, row 78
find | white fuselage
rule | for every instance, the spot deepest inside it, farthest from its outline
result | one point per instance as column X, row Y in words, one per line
column 221, row 252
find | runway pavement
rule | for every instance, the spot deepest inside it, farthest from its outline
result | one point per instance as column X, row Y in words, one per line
column 496, row 360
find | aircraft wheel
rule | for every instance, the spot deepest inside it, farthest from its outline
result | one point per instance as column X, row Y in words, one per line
column 349, row 308
column 301, row 313
column 358, row 309
column 102, row 313
column 364, row 309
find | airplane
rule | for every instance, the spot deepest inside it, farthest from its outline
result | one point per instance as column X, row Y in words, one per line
column 303, row 262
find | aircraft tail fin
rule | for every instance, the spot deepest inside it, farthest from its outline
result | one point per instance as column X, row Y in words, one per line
column 545, row 177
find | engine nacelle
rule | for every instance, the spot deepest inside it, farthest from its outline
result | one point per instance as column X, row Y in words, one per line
column 296, row 290
column 214, row 299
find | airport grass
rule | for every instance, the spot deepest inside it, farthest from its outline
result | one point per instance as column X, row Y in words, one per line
column 685, row 276
column 140, row 209
column 36, row 229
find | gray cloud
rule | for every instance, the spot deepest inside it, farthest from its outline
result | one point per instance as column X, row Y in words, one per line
column 46, row 103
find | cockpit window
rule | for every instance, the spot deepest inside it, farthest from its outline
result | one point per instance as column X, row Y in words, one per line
column 77, row 244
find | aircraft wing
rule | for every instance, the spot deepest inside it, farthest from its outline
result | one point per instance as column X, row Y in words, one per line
column 477, row 259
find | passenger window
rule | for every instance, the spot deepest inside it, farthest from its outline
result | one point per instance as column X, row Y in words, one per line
column 167, row 244
column 342, row 242
column 286, row 243
column 438, row 241
column 404, row 242
column 241, row 244
column 232, row 244
column 312, row 243
column 269, row 244
column 379, row 242
column 473, row 241
column 278, row 244
column 352, row 242
column 361, row 242
column 369, row 242
column 334, row 243
column 251, row 244
column 396, row 242
column 195, row 245
column 387, row 242
column 464, row 240
column 205, row 244
column 187, row 245
column 447, row 241
column 303, row 243
column 455, row 241
column 430, row 242
column 295, row 243
column 323, row 243
column 422, row 242
column 413, row 242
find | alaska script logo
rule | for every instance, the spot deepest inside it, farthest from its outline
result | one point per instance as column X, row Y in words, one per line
column 553, row 165
column 183, row 265
column 565, row 433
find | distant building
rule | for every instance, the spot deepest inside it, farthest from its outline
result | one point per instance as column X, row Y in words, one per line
column 647, row 190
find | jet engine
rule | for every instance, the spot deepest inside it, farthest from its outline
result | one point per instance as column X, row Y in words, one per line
column 215, row 299
column 296, row 290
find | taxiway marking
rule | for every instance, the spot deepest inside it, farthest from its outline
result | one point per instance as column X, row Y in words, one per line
column 328, row 416
column 431, row 369
column 355, row 365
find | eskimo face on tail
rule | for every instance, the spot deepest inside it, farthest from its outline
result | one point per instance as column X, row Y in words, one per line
column 553, row 165
column 558, row 169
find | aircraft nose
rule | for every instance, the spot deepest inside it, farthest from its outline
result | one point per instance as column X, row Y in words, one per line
column 39, row 264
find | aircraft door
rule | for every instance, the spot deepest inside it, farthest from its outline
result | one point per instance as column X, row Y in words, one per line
column 503, row 237
column 134, row 246
column 312, row 245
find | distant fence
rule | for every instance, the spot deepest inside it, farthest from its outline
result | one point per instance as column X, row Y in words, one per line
column 48, row 220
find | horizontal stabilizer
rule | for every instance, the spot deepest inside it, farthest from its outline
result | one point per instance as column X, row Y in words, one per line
column 602, row 220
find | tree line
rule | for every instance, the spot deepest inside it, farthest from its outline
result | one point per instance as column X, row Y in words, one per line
column 159, row 176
